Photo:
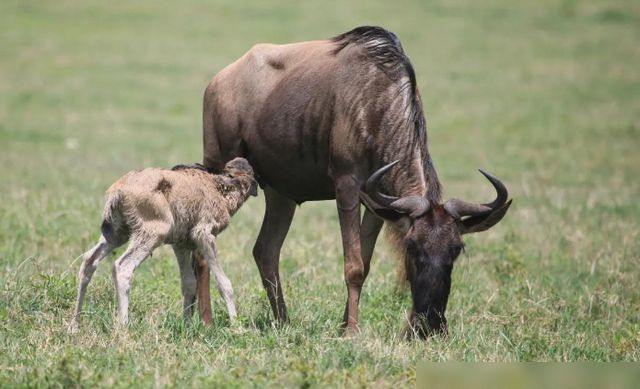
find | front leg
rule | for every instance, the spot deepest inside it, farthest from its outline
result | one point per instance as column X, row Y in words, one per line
column 207, row 246
column 348, row 203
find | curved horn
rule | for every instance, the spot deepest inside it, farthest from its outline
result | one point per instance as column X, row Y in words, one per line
column 414, row 205
column 372, row 184
column 501, row 190
column 458, row 208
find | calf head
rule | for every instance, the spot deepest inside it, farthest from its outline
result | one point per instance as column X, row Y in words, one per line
column 239, row 172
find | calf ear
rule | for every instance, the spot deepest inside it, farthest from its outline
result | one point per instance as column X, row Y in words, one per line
column 253, row 191
column 238, row 183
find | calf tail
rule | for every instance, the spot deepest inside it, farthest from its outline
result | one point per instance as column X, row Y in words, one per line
column 112, row 217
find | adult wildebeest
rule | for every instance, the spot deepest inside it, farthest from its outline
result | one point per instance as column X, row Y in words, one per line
column 342, row 119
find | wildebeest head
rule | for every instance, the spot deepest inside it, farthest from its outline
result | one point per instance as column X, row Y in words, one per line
column 432, row 240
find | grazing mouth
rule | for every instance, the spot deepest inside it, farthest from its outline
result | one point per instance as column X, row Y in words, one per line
column 419, row 326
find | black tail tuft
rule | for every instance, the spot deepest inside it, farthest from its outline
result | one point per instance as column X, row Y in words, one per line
column 107, row 230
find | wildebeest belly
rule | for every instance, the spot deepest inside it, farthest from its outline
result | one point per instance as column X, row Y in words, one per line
column 294, row 178
column 292, row 159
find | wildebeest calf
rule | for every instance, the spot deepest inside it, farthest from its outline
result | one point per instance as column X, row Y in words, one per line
column 186, row 207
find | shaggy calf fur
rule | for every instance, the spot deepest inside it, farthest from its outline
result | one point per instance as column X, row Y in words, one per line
column 186, row 207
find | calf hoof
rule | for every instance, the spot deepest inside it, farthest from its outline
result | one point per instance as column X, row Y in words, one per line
column 73, row 328
column 237, row 328
column 121, row 325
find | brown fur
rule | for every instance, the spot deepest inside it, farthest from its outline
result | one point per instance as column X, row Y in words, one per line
column 201, row 271
column 316, row 119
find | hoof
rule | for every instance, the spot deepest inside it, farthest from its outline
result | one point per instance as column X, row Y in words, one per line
column 351, row 332
column 73, row 328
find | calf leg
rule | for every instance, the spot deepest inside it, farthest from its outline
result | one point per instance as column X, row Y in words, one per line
column 207, row 246
column 278, row 214
column 123, row 270
column 187, row 281
column 90, row 262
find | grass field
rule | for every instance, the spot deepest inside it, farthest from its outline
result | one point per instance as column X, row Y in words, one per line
column 546, row 95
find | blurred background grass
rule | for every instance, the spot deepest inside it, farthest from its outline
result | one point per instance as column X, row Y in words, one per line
column 546, row 95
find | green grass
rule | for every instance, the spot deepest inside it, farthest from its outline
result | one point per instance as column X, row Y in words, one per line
column 544, row 95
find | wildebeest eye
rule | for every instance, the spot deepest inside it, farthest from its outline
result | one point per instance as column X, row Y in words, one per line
column 417, row 254
column 413, row 248
column 455, row 251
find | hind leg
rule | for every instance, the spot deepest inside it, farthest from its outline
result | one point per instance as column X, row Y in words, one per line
column 90, row 262
column 123, row 270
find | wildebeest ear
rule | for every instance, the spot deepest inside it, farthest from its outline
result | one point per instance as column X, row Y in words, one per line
column 378, row 210
column 483, row 222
